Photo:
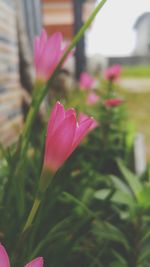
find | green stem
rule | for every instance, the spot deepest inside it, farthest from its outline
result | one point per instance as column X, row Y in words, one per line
column 110, row 87
column 27, row 130
column 24, row 233
column 36, row 104
column 83, row 29
column 32, row 214
column 44, row 182
column 39, row 94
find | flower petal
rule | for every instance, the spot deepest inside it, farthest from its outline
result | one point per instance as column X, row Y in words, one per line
column 70, row 55
column 81, row 131
column 38, row 262
column 4, row 260
column 36, row 49
column 43, row 39
column 86, row 81
column 56, row 117
column 47, row 54
column 54, row 43
column 60, row 144
column 94, row 125
column 51, row 54
column 92, row 98
column 83, row 117
column 70, row 111
column 39, row 46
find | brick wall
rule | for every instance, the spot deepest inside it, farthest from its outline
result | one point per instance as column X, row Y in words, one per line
column 11, row 117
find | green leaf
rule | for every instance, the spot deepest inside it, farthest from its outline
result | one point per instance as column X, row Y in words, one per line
column 122, row 198
column 56, row 231
column 144, row 197
column 145, row 254
column 107, row 231
column 117, row 264
column 102, row 194
column 132, row 180
column 120, row 259
column 146, row 236
column 87, row 195
column 119, row 184
column 79, row 203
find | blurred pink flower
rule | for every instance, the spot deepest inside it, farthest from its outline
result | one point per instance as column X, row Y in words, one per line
column 4, row 260
column 82, row 117
column 47, row 54
column 112, row 73
column 64, row 134
column 92, row 98
column 86, row 81
column 113, row 102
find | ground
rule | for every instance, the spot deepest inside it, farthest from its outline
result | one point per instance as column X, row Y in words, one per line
column 137, row 94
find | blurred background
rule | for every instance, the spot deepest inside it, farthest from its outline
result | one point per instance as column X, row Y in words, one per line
column 120, row 34
column 96, row 211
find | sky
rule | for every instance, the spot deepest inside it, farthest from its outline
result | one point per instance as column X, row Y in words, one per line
column 112, row 33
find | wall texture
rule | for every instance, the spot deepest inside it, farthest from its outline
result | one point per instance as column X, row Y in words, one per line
column 20, row 21
column 11, row 117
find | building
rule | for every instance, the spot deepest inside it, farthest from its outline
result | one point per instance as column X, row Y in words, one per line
column 19, row 22
column 142, row 28
column 67, row 16
column 58, row 15
column 141, row 53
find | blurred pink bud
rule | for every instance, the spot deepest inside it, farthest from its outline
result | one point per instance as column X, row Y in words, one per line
column 82, row 117
column 4, row 260
column 113, row 102
column 86, row 81
column 64, row 134
column 47, row 54
column 112, row 73
column 92, row 98
column 38, row 262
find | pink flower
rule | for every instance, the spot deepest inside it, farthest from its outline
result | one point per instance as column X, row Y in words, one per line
column 4, row 260
column 86, row 81
column 92, row 98
column 82, row 117
column 112, row 73
column 64, row 134
column 113, row 102
column 47, row 54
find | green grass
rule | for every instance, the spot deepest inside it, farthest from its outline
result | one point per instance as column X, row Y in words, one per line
column 138, row 108
column 141, row 71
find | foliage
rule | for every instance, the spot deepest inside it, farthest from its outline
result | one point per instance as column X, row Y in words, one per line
column 95, row 211
column 130, row 199
column 139, row 71
column 77, row 223
column 138, row 110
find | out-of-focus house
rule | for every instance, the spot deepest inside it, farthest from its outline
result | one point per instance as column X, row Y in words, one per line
column 141, row 53
column 67, row 16
column 58, row 15
column 142, row 27
column 20, row 21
